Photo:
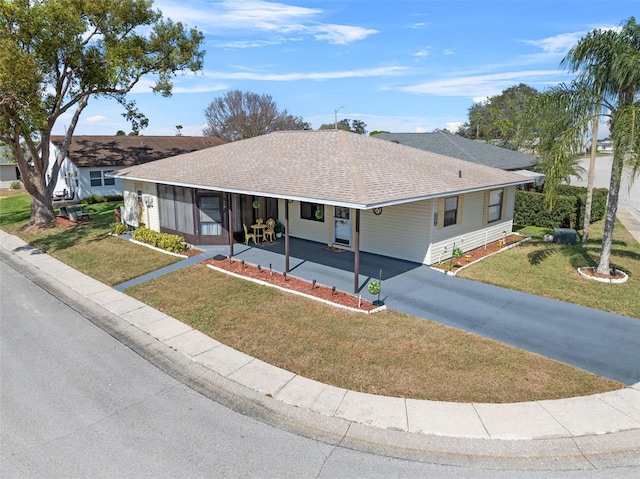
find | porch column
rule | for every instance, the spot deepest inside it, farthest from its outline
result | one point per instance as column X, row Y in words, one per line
column 230, row 224
column 286, row 236
column 356, row 261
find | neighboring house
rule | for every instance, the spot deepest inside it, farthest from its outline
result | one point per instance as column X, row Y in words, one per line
column 90, row 159
column 375, row 195
column 8, row 168
column 462, row 148
column 603, row 146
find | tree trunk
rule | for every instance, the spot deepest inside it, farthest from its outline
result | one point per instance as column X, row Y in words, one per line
column 591, row 174
column 41, row 206
column 612, row 210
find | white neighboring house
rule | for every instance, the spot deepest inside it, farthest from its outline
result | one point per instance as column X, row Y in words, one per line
column 8, row 168
column 91, row 159
column 338, row 188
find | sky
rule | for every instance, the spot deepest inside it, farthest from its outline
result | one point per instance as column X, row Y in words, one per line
column 398, row 65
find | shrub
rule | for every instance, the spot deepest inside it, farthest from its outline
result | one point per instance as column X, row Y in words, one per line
column 530, row 209
column 15, row 185
column 119, row 228
column 165, row 241
column 100, row 199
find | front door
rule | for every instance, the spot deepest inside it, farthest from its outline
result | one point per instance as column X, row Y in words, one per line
column 342, row 226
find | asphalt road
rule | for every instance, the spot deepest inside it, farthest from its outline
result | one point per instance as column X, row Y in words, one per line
column 75, row 402
column 629, row 189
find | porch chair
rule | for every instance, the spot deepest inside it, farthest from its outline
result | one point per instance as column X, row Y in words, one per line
column 248, row 236
column 269, row 231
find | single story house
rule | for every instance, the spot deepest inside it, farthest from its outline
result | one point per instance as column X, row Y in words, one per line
column 84, row 171
column 457, row 146
column 338, row 188
column 8, row 168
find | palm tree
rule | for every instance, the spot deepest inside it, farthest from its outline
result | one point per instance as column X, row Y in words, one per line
column 607, row 85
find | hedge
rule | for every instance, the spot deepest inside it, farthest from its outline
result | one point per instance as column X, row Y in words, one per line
column 165, row 241
column 568, row 212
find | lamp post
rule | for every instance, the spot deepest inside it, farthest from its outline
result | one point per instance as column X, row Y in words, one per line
column 335, row 117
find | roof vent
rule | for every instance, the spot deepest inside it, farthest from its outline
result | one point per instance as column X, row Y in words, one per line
column 459, row 173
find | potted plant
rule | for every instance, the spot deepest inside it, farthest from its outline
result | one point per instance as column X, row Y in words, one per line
column 279, row 229
column 319, row 215
column 256, row 205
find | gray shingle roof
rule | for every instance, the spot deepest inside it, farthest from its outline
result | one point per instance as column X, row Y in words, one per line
column 98, row 151
column 464, row 149
column 328, row 166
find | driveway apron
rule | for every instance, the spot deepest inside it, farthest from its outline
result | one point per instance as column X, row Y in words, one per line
column 603, row 343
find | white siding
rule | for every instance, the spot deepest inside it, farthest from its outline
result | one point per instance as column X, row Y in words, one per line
column 401, row 231
column 150, row 215
column 309, row 229
column 472, row 233
column 85, row 189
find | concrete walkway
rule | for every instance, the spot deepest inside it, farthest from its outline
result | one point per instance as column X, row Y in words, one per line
column 596, row 431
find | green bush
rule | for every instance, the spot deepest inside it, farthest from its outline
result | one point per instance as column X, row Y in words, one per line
column 89, row 200
column 598, row 202
column 119, row 228
column 530, row 209
column 15, row 185
column 568, row 211
column 165, row 241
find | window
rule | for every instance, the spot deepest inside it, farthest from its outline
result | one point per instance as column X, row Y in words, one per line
column 108, row 181
column 494, row 208
column 98, row 178
column 309, row 211
column 450, row 211
column 95, row 178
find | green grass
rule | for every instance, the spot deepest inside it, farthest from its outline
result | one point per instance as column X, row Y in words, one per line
column 87, row 247
column 550, row 270
column 387, row 353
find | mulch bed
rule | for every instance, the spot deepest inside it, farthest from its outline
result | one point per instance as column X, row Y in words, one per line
column 67, row 223
column 291, row 283
column 478, row 253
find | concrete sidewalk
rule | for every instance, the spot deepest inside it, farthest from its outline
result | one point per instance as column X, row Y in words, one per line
column 596, row 431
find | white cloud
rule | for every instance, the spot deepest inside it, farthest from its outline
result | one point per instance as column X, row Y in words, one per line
column 362, row 73
column 341, row 34
column 418, row 25
column 479, row 85
column 557, row 44
column 256, row 16
column 96, row 119
column 422, row 53
column 448, row 51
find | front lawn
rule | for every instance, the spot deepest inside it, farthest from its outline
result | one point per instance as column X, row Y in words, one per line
column 87, row 247
column 550, row 270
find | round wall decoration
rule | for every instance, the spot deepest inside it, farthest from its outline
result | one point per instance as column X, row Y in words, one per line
column 377, row 211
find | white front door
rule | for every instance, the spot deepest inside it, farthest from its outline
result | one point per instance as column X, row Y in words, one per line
column 342, row 226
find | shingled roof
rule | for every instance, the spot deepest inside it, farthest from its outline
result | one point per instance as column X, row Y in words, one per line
column 463, row 148
column 328, row 166
column 100, row 151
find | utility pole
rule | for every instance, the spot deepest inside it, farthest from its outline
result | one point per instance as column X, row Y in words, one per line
column 335, row 117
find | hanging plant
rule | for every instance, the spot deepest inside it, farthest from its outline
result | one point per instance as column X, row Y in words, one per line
column 256, row 204
column 374, row 287
column 319, row 214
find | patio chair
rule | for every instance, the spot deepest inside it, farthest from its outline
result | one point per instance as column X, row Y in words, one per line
column 248, row 236
column 270, row 231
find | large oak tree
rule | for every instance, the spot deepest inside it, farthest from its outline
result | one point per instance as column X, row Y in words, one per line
column 57, row 54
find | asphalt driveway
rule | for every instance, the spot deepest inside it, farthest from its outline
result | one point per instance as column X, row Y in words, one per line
column 603, row 343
